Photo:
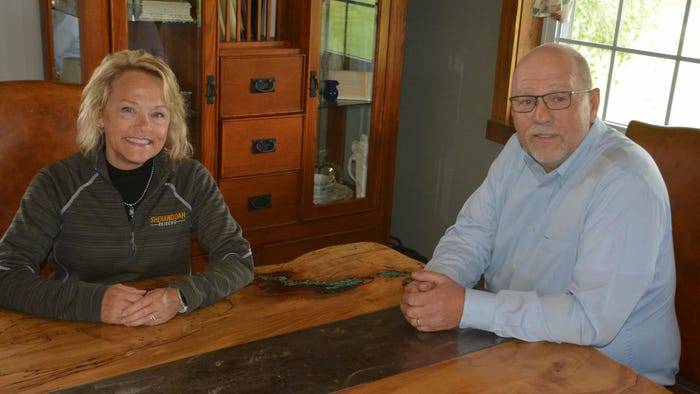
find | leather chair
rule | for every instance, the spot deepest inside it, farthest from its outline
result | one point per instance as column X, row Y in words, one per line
column 37, row 126
column 676, row 151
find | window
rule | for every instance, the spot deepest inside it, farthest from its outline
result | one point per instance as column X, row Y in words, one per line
column 644, row 57
column 349, row 21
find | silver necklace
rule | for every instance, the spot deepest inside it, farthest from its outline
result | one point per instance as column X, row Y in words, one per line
column 148, row 184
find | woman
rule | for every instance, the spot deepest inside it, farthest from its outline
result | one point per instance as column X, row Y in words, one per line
column 122, row 209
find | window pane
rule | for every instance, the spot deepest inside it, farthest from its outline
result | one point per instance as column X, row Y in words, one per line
column 662, row 21
column 599, row 62
column 594, row 21
column 639, row 89
column 336, row 23
column 349, row 34
column 691, row 44
column 685, row 104
column 360, row 39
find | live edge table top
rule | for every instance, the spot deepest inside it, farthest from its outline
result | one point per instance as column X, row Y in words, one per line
column 323, row 322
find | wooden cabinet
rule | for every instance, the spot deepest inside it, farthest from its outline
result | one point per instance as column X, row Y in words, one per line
column 299, row 168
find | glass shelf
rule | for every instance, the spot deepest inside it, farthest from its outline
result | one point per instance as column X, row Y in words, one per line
column 163, row 21
column 343, row 103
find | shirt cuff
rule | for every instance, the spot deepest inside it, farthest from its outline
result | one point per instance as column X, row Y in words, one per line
column 479, row 309
column 183, row 302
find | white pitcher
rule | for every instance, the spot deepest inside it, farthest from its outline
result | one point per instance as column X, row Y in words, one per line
column 357, row 165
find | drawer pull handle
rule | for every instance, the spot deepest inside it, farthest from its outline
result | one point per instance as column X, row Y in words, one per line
column 313, row 84
column 262, row 85
column 211, row 89
column 264, row 145
column 263, row 201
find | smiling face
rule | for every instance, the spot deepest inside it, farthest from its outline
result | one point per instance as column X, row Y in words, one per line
column 135, row 120
column 551, row 136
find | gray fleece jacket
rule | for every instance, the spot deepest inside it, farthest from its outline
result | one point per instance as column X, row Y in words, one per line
column 72, row 211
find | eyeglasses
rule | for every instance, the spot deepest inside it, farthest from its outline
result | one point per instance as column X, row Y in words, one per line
column 553, row 101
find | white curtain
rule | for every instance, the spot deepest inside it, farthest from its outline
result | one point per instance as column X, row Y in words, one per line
column 560, row 10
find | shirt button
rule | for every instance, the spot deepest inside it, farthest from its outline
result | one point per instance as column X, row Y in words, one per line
column 530, row 229
column 515, row 266
column 543, row 189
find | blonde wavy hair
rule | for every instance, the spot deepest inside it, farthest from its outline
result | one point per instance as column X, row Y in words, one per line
column 97, row 91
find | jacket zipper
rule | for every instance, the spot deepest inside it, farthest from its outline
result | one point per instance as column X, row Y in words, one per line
column 132, row 240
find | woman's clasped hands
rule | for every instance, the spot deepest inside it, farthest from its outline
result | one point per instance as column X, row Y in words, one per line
column 129, row 306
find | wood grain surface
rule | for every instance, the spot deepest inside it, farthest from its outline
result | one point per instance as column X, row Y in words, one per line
column 519, row 367
column 325, row 286
column 330, row 284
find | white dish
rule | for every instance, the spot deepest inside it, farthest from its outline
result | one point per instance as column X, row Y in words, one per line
column 332, row 193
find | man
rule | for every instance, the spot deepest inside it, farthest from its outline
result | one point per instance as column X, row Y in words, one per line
column 571, row 231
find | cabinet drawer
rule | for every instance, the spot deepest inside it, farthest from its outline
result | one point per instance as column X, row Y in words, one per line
column 261, row 85
column 260, row 145
column 263, row 200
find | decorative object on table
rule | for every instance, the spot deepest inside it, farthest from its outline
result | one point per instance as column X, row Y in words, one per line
column 330, row 89
column 357, row 165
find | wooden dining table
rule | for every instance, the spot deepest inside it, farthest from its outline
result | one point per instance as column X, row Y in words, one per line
column 327, row 321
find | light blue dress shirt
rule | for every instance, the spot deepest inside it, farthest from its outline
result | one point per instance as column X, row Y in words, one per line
column 582, row 254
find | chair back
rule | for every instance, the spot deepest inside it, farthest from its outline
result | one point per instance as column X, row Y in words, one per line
column 37, row 126
column 676, row 151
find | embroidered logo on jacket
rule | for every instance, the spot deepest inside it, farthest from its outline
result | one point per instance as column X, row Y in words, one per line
column 168, row 220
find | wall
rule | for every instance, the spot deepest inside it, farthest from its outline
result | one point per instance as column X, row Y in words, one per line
column 442, row 155
column 20, row 40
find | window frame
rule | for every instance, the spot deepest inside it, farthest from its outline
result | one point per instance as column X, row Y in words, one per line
column 519, row 33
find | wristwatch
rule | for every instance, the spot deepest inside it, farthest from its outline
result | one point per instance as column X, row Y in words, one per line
column 183, row 302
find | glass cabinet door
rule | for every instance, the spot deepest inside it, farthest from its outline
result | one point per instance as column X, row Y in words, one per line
column 347, row 51
column 172, row 32
column 62, row 53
